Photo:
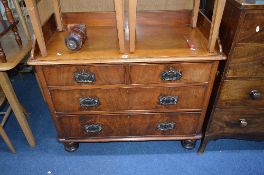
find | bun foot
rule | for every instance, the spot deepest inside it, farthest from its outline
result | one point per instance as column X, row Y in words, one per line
column 71, row 146
column 188, row 144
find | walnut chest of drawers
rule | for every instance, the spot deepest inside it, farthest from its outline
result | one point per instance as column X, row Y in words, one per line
column 160, row 91
column 135, row 101
column 237, row 107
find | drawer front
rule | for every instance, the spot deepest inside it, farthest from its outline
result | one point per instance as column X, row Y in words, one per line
column 247, row 61
column 252, row 29
column 237, row 122
column 244, row 93
column 167, row 98
column 84, row 75
column 170, row 73
column 129, row 125
column 120, row 99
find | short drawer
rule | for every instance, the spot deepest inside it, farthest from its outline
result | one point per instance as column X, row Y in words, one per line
column 172, row 124
column 247, row 61
column 244, row 93
column 170, row 73
column 123, row 99
column 84, row 75
column 239, row 122
column 252, row 28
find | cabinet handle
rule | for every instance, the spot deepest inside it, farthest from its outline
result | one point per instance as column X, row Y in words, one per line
column 89, row 102
column 171, row 75
column 243, row 123
column 168, row 100
column 255, row 94
column 93, row 128
column 166, row 126
column 84, row 77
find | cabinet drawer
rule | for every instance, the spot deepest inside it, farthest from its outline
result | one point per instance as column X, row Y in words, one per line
column 167, row 98
column 170, row 73
column 84, row 75
column 129, row 125
column 252, row 29
column 120, row 99
column 239, row 122
column 247, row 61
column 242, row 93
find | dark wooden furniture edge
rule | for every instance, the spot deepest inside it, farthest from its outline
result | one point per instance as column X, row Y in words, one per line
column 132, row 138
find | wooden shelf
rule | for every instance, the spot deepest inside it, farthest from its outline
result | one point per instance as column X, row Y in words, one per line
column 166, row 41
column 137, row 37
column 155, row 41
column 35, row 19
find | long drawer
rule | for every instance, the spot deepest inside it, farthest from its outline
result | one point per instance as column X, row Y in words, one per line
column 237, row 122
column 120, row 99
column 247, row 61
column 170, row 73
column 84, row 75
column 171, row 124
column 244, row 93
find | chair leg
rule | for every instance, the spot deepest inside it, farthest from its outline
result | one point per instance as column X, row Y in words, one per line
column 16, row 107
column 7, row 140
column 2, row 54
column 7, row 113
column 11, row 20
column 25, row 111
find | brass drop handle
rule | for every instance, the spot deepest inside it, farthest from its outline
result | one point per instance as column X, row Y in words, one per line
column 93, row 128
column 171, row 75
column 84, row 77
column 89, row 102
column 166, row 126
column 168, row 100
column 243, row 123
column 255, row 94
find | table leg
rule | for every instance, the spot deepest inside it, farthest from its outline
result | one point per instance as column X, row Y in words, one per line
column 16, row 107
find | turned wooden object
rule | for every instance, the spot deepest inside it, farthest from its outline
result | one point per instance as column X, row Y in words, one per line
column 76, row 37
column 11, row 20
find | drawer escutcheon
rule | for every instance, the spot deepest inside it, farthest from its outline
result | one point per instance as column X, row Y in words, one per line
column 89, row 102
column 166, row 126
column 168, row 100
column 93, row 128
column 171, row 75
column 84, row 77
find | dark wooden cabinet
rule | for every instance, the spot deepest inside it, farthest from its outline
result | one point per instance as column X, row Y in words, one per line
column 131, row 104
column 237, row 105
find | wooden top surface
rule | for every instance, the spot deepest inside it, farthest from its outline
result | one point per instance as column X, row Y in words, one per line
column 249, row 4
column 154, row 43
column 161, row 36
